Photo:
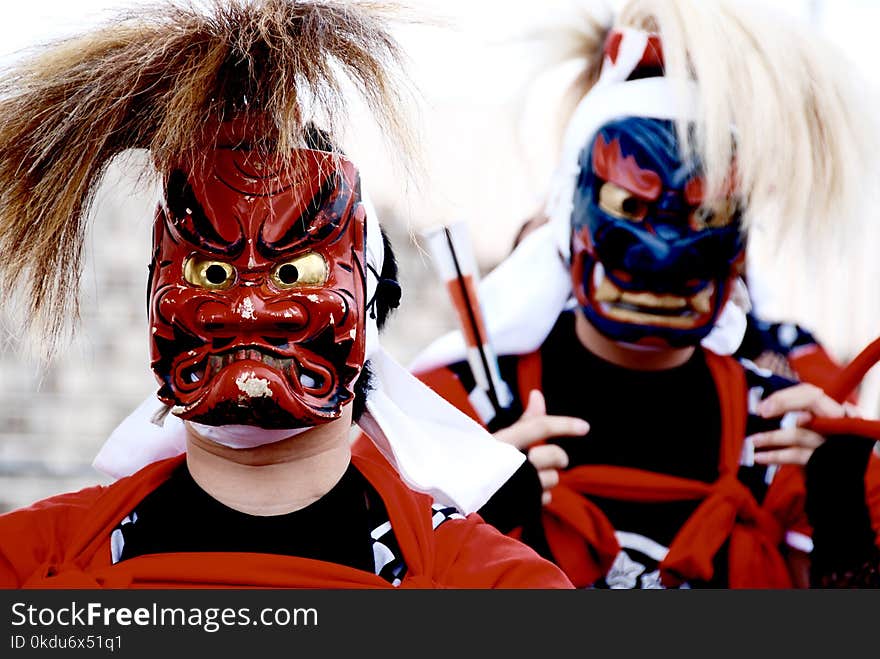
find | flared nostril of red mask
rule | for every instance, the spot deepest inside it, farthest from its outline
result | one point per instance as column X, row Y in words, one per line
column 250, row 314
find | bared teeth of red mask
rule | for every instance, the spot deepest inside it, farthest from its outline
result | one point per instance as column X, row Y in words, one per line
column 240, row 355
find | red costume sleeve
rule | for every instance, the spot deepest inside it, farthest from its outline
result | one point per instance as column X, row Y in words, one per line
column 64, row 542
column 473, row 554
column 813, row 364
column 785, row 500
column 37, row 535
column 469, row 553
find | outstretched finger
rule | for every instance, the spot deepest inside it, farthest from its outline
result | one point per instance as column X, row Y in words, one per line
column 535, row 405
column 528, row 431
column 793, row 455
column 794, row 436
column 805, row 397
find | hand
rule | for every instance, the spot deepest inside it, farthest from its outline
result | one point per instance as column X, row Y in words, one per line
column 535, row 425
column 792, row 443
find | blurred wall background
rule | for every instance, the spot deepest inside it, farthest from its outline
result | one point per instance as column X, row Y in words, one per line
column 483, row 162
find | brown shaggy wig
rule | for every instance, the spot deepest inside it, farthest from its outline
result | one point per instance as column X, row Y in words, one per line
column 164, row 78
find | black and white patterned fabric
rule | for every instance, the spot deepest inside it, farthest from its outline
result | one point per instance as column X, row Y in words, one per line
column 386, row 551
column 155, row 525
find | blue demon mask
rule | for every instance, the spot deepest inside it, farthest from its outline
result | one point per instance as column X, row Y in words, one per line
column 652, row 260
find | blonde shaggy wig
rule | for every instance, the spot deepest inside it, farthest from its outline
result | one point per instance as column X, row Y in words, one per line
column 776, row 95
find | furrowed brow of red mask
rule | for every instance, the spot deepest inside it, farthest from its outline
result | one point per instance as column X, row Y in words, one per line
column 318, row 199
column 610, row 164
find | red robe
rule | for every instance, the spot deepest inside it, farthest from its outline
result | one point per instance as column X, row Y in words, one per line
column 64, row 542
column 583, row 540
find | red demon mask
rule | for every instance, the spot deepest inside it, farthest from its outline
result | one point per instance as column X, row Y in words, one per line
column 257, row 288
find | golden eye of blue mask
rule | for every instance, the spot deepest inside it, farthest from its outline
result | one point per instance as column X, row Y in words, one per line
column 621, row 203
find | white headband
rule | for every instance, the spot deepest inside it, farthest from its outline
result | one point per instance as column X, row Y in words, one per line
column 520, row 311
column 435, row 448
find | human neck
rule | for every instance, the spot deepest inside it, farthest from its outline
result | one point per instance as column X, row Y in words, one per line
column 631, row 357
column 276, row 478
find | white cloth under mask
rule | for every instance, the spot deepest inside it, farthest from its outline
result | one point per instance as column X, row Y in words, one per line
column 435, row 448
column 244, row 437
column 162, row 435
column 521, row 310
